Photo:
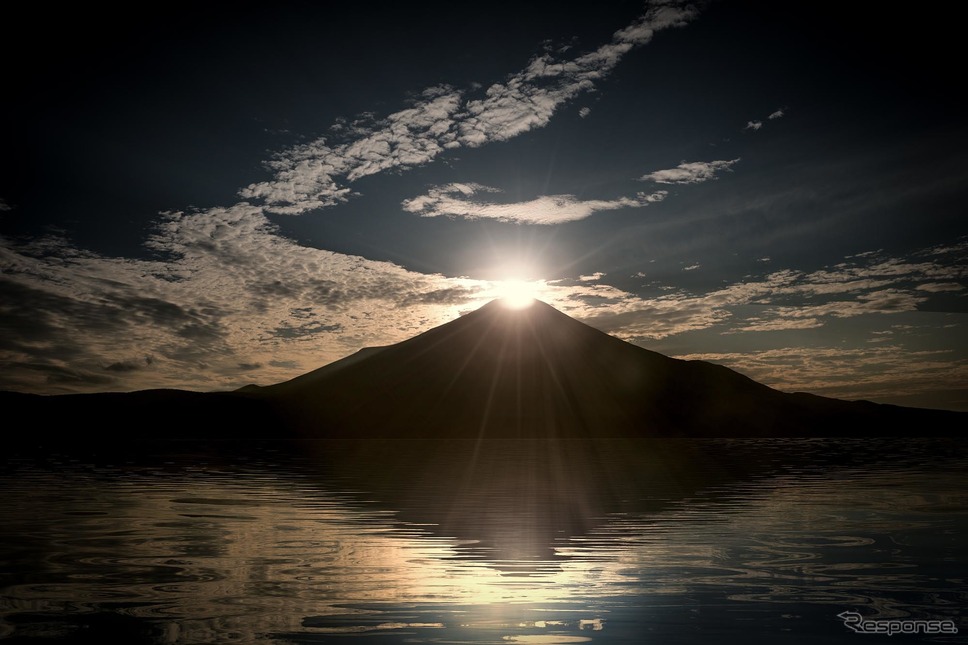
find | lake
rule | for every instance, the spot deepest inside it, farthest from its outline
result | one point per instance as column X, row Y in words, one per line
column 669, row 541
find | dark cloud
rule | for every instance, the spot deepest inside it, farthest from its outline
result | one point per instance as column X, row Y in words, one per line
column 25, row 314
column 144, row 309
column 200, row 331
column 938, row 287
column 450, row 296
column 125, row 366
column 308, row 330
column 60, row 375
column 275, row 289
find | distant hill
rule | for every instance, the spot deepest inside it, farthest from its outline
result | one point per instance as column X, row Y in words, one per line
column 495, row 373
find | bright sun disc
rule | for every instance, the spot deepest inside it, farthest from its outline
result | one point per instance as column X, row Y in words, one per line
column 516, row 294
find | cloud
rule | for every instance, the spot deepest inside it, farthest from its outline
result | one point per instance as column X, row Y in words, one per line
column 316, row 174
column 58, row 376
column 692, row 267
column 584, row 112
column 126, row 366
column 465, row 200
column 4, row 206
column 693, row 172
column 863, row 254
column 756, row 124
column 806, row 316
column 598, row 275
column 309, row 331
column 528, row 99
column 784, row 300
column 881, row 371
column 958, row 248
column 938, row 287
column 309, row 176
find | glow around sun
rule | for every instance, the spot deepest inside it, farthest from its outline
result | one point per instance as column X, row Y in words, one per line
column 517, row 284
column 516, row 294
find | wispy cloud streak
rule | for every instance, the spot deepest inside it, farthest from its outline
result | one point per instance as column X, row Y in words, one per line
column 691, row 172
column 316, row 175
column 790, row 299
column 465, row 201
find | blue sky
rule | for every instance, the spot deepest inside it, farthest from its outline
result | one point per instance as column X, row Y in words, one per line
column 209, row 199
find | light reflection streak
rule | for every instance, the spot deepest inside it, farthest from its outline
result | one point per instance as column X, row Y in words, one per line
column 260, row 564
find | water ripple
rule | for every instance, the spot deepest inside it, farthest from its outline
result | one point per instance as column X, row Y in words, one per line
column 254, row 553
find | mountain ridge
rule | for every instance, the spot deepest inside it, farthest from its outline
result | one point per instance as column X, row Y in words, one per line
column 538, row 373
column 494, row 373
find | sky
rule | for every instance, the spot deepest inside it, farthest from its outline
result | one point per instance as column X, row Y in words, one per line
column 209, row 197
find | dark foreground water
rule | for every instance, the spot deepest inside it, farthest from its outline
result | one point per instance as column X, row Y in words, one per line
column 661, row 541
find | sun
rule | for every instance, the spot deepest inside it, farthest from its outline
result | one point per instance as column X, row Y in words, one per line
column 515, row 284
column 516, row 294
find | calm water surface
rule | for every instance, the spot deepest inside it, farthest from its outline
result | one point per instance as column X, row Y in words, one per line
column 675, row 541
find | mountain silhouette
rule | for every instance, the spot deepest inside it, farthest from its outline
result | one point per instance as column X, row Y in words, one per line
column 494, row 373
column 537, row 373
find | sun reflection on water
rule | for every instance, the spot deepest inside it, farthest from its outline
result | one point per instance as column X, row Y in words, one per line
column 259, row 557
column 223, row 560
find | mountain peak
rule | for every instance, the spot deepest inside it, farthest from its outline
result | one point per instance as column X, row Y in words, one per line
column 515, row 305
column 513, row 333
column 518, row 309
